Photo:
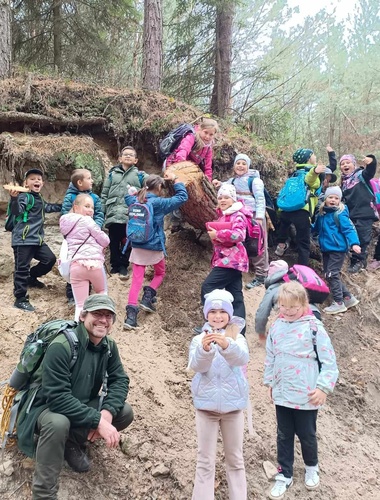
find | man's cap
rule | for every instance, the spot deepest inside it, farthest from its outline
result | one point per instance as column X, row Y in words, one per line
column 33, row 171
column 99, row 301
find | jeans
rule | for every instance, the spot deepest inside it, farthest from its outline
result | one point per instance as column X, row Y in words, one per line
column 301, row 221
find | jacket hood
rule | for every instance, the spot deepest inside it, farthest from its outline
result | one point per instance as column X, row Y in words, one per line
column 69, row 221
column 72, row 189
column 275, row 278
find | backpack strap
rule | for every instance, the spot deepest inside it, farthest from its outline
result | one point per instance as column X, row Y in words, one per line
column 367, row 186
column 140, row 175
column 104, row 389
column 72, row 339
column 314, row 331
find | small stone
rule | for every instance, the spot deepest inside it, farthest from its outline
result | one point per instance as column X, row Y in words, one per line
column 6, row 468
column 160, row 470
column 148, row 465
column 372, row 480
column 361, row 491
column 269, row 469
column 354, row 360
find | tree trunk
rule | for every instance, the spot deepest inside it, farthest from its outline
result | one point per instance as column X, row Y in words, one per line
column 152, row 45
column 5, row 39
column 223, row 59
column 57, row 35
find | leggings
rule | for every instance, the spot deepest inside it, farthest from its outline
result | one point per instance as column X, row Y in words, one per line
column 80, row 278
column 138, row 274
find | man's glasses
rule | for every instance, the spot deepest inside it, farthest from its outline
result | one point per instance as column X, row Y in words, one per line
column 99, row 314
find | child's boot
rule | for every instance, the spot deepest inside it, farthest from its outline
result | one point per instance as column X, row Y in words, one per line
column 130, row 322
column 311, row 476
column 148, row 299
column 24, row 304
column 280, row 487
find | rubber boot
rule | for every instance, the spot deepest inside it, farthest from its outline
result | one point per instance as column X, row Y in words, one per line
column 148, row 299
column 130, row 322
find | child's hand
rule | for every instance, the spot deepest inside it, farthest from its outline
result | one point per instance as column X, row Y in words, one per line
column 207, row 341
column 14, row 194
column 319, row 169
column 221, row 340
column 212, row 234
column 260, row 221
column 270, row 394
column 170, row 175
column 356, row 248
column 132, row 190
column 367, row 160
column 329, row 149
column 217, row 183
column 317, row 397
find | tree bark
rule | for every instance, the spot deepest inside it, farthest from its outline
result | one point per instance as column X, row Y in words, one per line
column 223, row 59
column 5, row 39
column 57, row 35
column 152, row 45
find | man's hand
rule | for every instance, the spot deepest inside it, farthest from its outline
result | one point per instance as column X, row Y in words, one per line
column 93, row 435
column 108, row 432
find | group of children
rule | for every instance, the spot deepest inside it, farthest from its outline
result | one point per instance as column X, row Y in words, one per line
column 300, row 367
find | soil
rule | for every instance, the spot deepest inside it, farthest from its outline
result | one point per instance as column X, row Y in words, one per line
column 159, row 455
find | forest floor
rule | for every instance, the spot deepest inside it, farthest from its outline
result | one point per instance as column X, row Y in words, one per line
column 159, row 456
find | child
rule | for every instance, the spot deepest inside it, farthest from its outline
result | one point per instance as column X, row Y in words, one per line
column 250, row 190
column 86, row 242
column 337, row 235
column 81, row 182
column 359, row 198
column 220, row 394
column 304, row 159
column 151, row 253
column 229, row 259
column 277, row 270
column 28, row 239
column 297, row 342
column 198, row 149
column 115, row 187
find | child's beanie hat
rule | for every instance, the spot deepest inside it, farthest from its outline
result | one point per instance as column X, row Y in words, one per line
column 348, row 157
column 333, row 190
column 227, row 190
column 302, row 155
column 277, row 265
column 242, row 157
column 218, row 299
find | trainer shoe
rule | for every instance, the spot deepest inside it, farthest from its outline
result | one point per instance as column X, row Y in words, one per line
column 76, row 458
column 356, row 268
column 35, row 283
column 281, row 249
column 311, row 477
column 258, row 281
column 280, row 487
column 335, row 308
column 350, row 301
column 24, row 304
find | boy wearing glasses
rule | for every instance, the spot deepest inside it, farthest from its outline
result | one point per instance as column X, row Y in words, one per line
column 68, row 413
column 116, row 185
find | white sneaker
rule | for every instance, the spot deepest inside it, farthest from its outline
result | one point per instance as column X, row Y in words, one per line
column 351, row 302
column 280, row 487
column 311, row 476
column 281, row 249
column 335, row 308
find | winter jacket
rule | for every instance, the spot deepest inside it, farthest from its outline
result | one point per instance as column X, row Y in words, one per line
column 184, row 152
column 333, row 237
column 72, row 192
column 30, row 232
column 68, row 392
column 357, row 192
column 269, row 301
column 229, row 250
column 84, row 237
column 254, row 198
column 219, row 384
column 161, row 207
column 291, row 366
column 115, row 188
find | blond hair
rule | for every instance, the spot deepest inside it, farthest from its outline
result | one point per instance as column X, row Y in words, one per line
column 78, row 175
column 323, row 204
column 79, row 200
column 291, row 294
column 205, row 123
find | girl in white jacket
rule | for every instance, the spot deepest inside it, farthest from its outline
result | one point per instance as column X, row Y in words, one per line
column 220, row 394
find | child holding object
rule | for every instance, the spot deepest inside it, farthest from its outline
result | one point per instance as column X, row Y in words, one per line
column 300, row 371
column 220, row 394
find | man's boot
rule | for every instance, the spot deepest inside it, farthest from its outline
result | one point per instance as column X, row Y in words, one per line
column 130, row 322
column 76, row 457
column 148, row 299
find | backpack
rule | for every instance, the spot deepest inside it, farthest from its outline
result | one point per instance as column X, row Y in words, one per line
column 295, row 193
column 11, row 220
column 172, row 140
column 140, row 227
column 254, row 241
column 316, row 288
column 269, row 204
column 375, row 184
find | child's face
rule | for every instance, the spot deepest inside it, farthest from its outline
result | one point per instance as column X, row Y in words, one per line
column 85, row 184
column 34, row 182
column 326, row 181
column 85, row 208
column 241, row 167
column 207, row 134
column 332, row 201
column 128, row 158
column 312, row 160
column 291, row 312
column 225, row 202
column 347, row 167
column 217, row 318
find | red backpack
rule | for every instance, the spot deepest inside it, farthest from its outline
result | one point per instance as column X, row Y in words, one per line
column 316, row 288
column 254, row 241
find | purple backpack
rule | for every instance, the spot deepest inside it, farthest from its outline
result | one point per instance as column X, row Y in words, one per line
column 316, row 288
column 375, row 185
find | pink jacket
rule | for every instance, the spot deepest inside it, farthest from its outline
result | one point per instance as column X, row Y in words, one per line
column 203, row 158
column 229, row 250
column 77, row 228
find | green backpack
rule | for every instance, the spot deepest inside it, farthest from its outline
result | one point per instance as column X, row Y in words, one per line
column 11, row 220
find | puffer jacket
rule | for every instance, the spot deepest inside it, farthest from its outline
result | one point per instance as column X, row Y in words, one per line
column 254, row 199
column 76, row 229
column 229, row 250
column 334, row 238
column 115, row 188
column 291, row 366
column 219, row 384
column 72, row 192
column 184, row 152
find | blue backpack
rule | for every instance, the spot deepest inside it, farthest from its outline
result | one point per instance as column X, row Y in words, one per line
column 171, row 141
column 140, row 227
column 295, row 193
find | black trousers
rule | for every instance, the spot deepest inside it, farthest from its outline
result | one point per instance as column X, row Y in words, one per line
column 377, row 249
column 23, row 255
column 332, row 265
column 364, row 230
column 291, row 422
column 117, row 234
column 301, row 221
column 231, row 280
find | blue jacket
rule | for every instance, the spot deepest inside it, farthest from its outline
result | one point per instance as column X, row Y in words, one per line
column 334, row 238
column 161, row 207
column 72, row 192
